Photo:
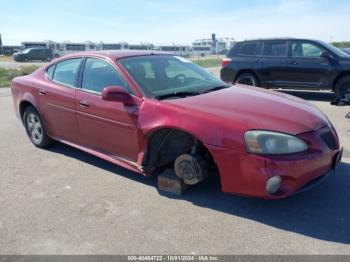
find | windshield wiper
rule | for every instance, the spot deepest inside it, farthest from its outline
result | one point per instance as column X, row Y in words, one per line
column 216, row 88
column 178, row 94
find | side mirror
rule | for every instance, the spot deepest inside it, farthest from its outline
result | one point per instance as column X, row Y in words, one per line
column 117, row 94
column 326, row 55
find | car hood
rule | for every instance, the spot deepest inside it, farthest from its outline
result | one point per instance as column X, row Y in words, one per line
column 255, row 108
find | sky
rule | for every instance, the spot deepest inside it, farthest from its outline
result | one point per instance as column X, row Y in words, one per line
column 171, row 21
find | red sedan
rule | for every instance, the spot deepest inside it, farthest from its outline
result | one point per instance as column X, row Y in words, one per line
column 149, row 111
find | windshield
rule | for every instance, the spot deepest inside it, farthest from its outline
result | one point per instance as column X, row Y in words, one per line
column 159, row 75
column 26, row 50
column 336, row 50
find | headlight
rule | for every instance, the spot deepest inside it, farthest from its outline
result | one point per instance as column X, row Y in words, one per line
column 273, row 143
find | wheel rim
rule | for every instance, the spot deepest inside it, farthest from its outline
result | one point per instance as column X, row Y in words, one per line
column 187, row 169
column 35, row 129
column 246, row 81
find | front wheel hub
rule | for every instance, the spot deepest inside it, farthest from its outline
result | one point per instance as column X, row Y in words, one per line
column 191, row 169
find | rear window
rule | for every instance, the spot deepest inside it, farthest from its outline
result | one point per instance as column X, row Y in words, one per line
column 275, row 48
column 66, row 71
column 247, row 49
column 50, row 71
column 233, row 50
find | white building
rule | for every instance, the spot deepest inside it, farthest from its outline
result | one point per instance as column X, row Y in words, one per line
column 202, row 47
column 112, row 46
column 180, row 50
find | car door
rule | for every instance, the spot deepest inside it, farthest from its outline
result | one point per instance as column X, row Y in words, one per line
column 246, row 55
column 34, row 54
column 107, row 126
column 41, row 54
column 57, row 102
column 30, row 55
column 271, row 64
column 306, row 66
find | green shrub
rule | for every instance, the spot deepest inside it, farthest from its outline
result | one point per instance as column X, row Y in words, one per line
column 345, row 44
column 211, row 62
column 7, row 74
column 26, row 70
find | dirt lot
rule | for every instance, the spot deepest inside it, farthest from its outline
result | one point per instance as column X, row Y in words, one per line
column 63, row 201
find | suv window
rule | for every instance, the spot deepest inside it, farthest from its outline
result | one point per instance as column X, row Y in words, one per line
column 99, row 74
column 37, row 51
column 275, row 48
column 247, row 49
column 260, row 49
column 66, row 71
column 305, row 49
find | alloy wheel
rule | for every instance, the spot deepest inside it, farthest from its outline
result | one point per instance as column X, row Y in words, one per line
column 35, row 129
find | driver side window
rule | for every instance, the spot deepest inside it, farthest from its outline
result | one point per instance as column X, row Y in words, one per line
column 99, row 74
column 306, row 49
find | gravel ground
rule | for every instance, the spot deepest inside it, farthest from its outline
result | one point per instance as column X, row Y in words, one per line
column 63, row 201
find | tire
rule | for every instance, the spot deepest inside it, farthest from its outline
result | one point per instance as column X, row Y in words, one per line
column 35, row 128
column 247, row 79
column 342, row 88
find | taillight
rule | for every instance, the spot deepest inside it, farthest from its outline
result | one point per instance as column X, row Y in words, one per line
column 225, row 62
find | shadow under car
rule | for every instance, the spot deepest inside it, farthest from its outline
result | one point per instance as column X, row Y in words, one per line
column 321, row 213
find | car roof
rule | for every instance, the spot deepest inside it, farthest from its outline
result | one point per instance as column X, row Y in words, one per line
column 117, row 54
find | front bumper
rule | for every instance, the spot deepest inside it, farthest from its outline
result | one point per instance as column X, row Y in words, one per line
column 247, row 174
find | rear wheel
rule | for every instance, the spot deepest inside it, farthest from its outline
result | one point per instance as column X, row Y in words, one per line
column 35, row 128
column 342, row 88
column 247, row 79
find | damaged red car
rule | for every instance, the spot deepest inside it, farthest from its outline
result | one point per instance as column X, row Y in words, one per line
column 151, row 111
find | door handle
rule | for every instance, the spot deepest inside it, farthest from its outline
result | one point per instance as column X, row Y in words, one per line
column 41, row 92
column 294, row 63
column 84, row 103
column 258, row 62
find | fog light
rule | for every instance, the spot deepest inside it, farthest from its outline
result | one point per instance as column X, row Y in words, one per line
column 273, row 184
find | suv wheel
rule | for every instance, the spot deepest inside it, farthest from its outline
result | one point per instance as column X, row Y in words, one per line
column 35, row 128
column 248, row 79
column 342, row 88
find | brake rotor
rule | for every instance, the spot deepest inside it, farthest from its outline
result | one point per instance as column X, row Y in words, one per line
column 191, row 169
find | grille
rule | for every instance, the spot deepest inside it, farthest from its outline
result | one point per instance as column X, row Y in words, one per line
column 330, row 140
